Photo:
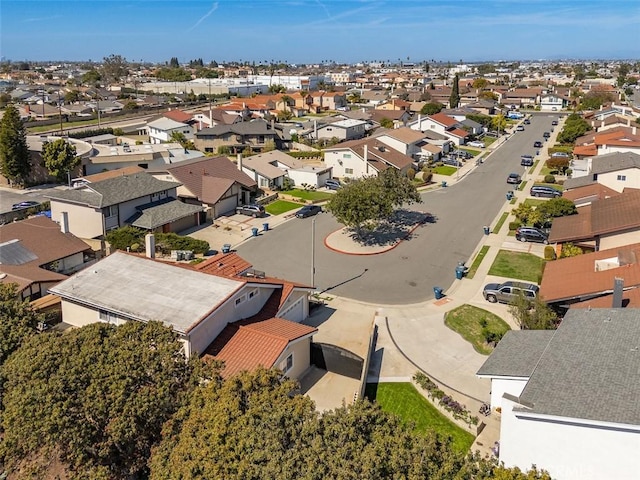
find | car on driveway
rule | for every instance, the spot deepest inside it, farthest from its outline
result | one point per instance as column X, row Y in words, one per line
column 544, row 191
column 21, row 205
column 476, row 144
column 526, row 160
column 452, row 162
column 531, row 234
column 537, row 144
column 513, row 178
column 461, row 154
column 332, row 184
column 308, row 211
column 251, row 210
column 507, row 292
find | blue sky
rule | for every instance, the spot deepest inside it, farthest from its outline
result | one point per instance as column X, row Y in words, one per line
column 306, row 31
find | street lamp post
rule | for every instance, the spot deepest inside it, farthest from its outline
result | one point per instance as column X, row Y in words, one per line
column 313, row 252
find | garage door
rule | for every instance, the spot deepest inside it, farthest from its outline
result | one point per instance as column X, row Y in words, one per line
column 337, row 360
column 226, row 205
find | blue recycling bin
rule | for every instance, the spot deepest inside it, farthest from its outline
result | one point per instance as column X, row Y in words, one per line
column 509, row 194
column 437, row 292
column 460, row 272
column 443, row 184
column 254, row 231
column 226, row 248
column 265, row 227
column 486, row 229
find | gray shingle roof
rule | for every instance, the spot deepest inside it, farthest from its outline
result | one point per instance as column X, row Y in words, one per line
column 578, row 182
column 590, row 368
column 517, row 353
column 611, row 162
column 156, row 214
column 115, row 190
column 255, row 127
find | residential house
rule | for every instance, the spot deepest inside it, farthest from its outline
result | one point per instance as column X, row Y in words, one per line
column 568, row 397
column 442, row 124
column 550, row 102
column 198, row 304
column 343, row 130
column 607, row 223
column 162, row 129
column 522, row 97
column 215, row 116
column 585, row 193
column 617, row 171
column 254, row 135
column 139, row 200
column 616, row 139
column 269, row 170
column 591, row 277
column 405, row 140
column 361, row 158
column 483, row 106
column 323, row 101
column 400, row 118
column 215, row 182
column 37, row 253
column 374, row 97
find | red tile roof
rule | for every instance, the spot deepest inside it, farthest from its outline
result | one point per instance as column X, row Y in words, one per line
column 244, row 346
column 178, row 116
column 98, row 177
column 380, row 155
column 444, row 120
column 224, row 264
column 582, row 276
column 630, row 299
column 595, row 191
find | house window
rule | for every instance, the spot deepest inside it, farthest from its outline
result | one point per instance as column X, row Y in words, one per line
column 239, row 300
column 253, row 293
column 208, row 149
column 622, row 178
column 348, row 171
column 109, row 317
column 329, row 129
column 346, row 155
column 286, row 364
column 112, row 211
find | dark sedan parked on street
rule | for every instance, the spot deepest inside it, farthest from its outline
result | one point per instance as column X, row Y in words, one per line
column 544, row 191
column 531, row 234
column 513, row 178
column 308, row 211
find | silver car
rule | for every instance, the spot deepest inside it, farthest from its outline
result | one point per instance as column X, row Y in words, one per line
column 507, row 292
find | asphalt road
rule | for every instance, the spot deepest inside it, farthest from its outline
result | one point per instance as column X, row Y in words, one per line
column 408, row 273
column 9, row 198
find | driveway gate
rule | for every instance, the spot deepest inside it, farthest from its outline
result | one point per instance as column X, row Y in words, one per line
column 337, row 360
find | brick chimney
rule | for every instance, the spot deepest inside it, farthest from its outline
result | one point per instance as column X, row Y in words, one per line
column 64, row 222
column 239, row 161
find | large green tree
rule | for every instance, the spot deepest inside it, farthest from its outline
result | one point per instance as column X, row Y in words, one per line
column 454, row 99
column 18, row 321
column 533, row 315
column 363, row 203
column 14, row 152
column 575, row 126
column 60, row 158
column 431, row 108
column 94, row 398
column 114, row 68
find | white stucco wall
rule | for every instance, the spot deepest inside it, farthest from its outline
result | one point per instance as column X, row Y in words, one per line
column 569, row 451
column 301, row 351
column 620, row 239
column 395, row 144
column 502, row 385
column 72, row 261
column 341, row 160
column 617, row 148
column 614, row 180
column 84, row 222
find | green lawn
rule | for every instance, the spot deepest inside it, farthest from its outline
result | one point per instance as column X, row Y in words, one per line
column 405, row 401
column 281, row 206
column 471, row 151
column 533, row 167
column 477, row 261
column 312, row 195
column 534, row 202
column 498, row 226
column 488, row 140
column 466, row 320
column 523, row 266
column 445, row 170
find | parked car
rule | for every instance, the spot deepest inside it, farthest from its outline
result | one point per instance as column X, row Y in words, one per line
column 520, row 128
column 308, row 211
column 531, row 234
column 544, row 191
column 554, row 123
column 537, row 144
column 332, row 184
column 546, row 135
column 526, row 160
column 560, row 155
column 452, row 162
column 21, row 205
column 461, row 154
column 513, row 178
column 251, row 210
column 476, row 144
column 527, row 121
column 507, row 292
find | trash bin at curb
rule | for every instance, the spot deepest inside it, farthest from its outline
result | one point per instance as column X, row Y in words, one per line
column 486, row 230
column 254, row 231
column 437, row 291
column 460, row 272
column 443, row 184
column 509, row 194
column 226, row 248
column 265, row 227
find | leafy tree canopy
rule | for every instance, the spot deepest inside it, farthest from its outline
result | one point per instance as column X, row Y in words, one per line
column 60, row 158
column 133, row 238
column 533, row 315
column 575, row 126
column 114, row 67
column 557, row 207
column 431, row 108
column 364, row 202
column 94, row 397
column 91, row 77
column 173, row 74
column 454, row 99
column 18, row 321
column 14, row 152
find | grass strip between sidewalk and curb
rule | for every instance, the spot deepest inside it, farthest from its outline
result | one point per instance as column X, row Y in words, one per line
column 477, row 261
column 404, row 400
column 498, row 226
column 473, row 323
column 518, row 265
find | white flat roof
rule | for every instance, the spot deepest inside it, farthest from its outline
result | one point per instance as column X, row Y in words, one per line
column 147, row 290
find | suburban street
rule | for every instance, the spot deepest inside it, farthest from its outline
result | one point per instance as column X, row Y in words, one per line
column 407, row 273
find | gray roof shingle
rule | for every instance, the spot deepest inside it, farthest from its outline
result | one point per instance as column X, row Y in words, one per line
column 517, row 353
column 156, row 214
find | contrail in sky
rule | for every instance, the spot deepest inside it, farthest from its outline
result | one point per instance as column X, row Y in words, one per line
column 205, row 16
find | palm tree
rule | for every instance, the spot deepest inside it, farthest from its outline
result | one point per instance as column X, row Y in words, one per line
column 304, row 94
column 285, row 99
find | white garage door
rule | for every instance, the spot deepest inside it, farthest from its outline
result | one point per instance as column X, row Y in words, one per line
column 226, row 205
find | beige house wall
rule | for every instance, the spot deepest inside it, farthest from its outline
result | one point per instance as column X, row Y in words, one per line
column 301, row 352
column 84, row 222
column 619, row 239
column 610, row 179
column 78, row 315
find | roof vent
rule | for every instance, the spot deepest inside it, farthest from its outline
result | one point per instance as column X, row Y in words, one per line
column 381, row 148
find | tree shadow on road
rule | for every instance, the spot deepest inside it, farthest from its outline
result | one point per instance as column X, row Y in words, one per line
column 391, row 231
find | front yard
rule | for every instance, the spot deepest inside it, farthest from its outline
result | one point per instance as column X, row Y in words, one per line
column 477, row 326
column 405, row 401
column 309, row 195
column 281, row 206
column 518, row 265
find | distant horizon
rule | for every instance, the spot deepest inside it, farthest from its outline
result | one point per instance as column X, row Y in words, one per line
column 313, row 31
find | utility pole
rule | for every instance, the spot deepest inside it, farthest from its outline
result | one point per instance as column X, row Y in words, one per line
column 313, row 252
